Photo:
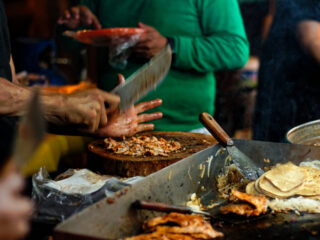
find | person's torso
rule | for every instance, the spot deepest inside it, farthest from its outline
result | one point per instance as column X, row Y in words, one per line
column 7, row 124
column 5, row 70
column 289, row 87
column 184, row 94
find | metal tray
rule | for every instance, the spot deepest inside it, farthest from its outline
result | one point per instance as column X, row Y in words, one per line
column 113, row 217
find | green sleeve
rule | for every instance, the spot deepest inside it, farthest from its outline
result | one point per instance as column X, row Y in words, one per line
column 224, row 44
column 67, row 43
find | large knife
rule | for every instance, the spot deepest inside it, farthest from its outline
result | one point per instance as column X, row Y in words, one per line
column 145, row 79
column 30, row 133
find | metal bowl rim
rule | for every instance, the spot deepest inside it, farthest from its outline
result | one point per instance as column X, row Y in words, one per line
column 300, row 127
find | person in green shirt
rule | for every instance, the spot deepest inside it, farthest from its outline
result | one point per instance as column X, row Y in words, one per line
column 206, row 36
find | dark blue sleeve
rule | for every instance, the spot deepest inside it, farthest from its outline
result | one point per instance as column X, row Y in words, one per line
column 301, row 10
column 5, row 49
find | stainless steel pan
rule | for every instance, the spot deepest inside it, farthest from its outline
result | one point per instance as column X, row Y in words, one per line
column 114, row 218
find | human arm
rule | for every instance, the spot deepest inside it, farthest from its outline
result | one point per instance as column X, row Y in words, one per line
column 82, row 16
column 267, row 21
column 84, row 109
column 82, row 112
column 131, row 121
column 79, row 16
column 223, row 44
column 150, row 42
column 308, row 35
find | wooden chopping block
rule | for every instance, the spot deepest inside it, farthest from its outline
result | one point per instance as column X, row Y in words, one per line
column 106, row 162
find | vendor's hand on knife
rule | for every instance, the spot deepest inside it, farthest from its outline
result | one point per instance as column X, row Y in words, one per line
column 132, row 120
column 85, row 111
column 79, row 16
column 150, row 42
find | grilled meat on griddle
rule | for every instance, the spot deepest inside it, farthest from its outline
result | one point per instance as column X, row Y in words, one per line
column 253, row 206
column 177, row 226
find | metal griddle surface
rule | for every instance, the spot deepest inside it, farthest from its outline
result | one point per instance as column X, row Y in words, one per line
column 113, row 218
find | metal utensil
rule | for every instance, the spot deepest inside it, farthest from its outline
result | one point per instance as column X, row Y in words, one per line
column 162, row 207
column 145, row 79
column 30, row 133
column 177, row 182
column 244, row 164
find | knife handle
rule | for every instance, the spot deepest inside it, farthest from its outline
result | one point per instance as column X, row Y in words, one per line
column 215, row 129
column 161, row 207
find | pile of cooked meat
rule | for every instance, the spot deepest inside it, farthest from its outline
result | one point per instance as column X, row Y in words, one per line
column 245, row 204
column 143, row 146
column 176, row 226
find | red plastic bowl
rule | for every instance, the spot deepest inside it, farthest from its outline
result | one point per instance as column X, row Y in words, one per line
column 103, row 37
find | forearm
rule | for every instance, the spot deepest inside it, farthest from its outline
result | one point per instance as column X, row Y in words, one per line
column 223, row 44
column 12, row 98
column 267, row 22
column 216, row 52
column 53, row 109
column 309, row 38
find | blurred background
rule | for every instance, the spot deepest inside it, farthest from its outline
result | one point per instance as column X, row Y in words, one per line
column 38, row 61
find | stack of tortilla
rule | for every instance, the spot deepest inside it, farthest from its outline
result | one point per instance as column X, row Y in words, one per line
column 287, row 180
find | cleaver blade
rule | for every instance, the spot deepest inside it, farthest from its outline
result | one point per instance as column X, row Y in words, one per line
column 147, row 78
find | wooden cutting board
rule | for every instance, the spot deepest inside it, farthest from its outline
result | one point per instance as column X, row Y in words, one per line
column 104, row 161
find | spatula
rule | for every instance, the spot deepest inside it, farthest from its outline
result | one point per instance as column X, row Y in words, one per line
column 244, row 164
column 162, row 207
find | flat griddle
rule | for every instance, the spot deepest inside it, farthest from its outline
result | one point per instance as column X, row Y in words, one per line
column 107, row 162
column 114, row 218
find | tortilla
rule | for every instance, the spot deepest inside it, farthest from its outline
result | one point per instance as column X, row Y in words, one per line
column 266, row 187
column 250, row 189
column 311, row 185
column 285, row 177
column 313, row 197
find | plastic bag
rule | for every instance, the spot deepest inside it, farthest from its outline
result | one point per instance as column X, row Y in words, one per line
column 118, row 40
column 54, row 204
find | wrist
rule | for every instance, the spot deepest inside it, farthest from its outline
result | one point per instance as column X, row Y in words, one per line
column 52, row 108
column 171, row 43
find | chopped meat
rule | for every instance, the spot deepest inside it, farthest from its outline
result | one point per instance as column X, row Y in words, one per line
column 255, row 205
column 142, row 146
column 194, row 226
column 160, row 236
column 259, row 202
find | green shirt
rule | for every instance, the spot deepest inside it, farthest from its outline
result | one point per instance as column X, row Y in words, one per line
column 208, row 35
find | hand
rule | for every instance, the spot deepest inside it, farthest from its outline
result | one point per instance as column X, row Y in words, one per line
column 79, row 16
column 150, row 43
column 87, row 107
column 130, row 122
column 15, row 210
